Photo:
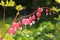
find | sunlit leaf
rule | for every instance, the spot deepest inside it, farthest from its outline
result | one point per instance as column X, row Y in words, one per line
column 12, row 3
column 2, row 3
column 19, row 38
column 55, row 9
column 58, row 19
column 58, row 1
column 19, row 7
column 7, row 3
column 8, row 37
column 49, row 35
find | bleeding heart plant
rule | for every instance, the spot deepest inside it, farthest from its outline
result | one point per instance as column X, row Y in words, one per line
column 25, row 21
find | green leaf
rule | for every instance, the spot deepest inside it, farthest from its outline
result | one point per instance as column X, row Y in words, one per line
column 49, row 35
column 11, row 3
column 58, row 19
column 7, row 3
column 19, row 7
column 58, row 1
column 19, row 38
column 2, row 3
column 26, row 38
column 55, row 9
column 8, row 37
column 31, row 38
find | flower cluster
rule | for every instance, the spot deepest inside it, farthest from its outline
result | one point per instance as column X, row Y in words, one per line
column 26, row 21
column 14, row 27
column 38, row 14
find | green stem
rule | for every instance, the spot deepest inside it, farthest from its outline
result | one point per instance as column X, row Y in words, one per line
column 3, row 21
column 10, row 25
column 3, row 24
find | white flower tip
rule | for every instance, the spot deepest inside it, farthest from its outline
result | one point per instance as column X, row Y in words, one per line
column 30, row 24
column 33, row 22
column 20, row 28
column 46, row 13
column 38, row 18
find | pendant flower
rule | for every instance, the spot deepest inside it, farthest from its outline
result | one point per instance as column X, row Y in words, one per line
column 33, row 18
column 11, row 31
column 38, row 14
column 47, row 11
column 25, row 21
column 40, row 10
column 15, row 26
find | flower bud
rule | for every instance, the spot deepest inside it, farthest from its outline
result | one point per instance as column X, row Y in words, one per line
column 40, row 10
column 38, row 15
column 47, row 11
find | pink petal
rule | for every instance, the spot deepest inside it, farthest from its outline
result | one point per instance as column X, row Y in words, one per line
column 30, row 18
column 38, row 14
column 19, row 23
column 25, row 21
column 11, row 31
column 47, row 10
column 40, row 10
column 33, row 18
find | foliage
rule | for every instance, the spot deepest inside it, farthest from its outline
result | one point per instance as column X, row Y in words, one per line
column 45, row 31
column 55, row 9
column 58, row 19
column 58, row 1
column 29, row 28
column 19, row 7
column 10, row 3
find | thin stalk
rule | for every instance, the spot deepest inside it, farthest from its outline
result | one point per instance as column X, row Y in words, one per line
column 3, row 21
column 27, row 15
column 16, row 16
column 10, row 25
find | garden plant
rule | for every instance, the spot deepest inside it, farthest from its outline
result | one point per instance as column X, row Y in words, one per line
column 42, row 24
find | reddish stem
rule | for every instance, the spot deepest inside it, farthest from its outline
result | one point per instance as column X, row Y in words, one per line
column 16, row 17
